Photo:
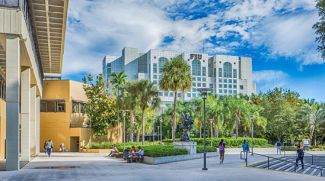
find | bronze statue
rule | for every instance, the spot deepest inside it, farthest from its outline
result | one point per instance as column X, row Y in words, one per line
column 187, row 123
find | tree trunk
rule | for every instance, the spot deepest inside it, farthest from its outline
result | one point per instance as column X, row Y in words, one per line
column 314, row 137
column 131, row 125
column 118, row 116
column 142, row 128
column 216, row 131
column 174, row 118
column 138, row 135
column 237, row 122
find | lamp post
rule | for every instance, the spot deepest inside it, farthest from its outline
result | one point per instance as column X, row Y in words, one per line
column 158, row 132
column 211, row 131
column 124, row 114
column 90, row 133
column 252, row 121
column 204, row 92
column 160, row 129
column 153, row 132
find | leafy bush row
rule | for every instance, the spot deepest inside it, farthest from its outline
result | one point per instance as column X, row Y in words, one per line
column 230, row 142
column 200, row 149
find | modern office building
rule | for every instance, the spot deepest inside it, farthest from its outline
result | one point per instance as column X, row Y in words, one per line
column 63, row 118
column 227, row 75
column 32, row 34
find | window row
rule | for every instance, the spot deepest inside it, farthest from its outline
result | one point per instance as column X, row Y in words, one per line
column 225, row 91
column 199, row 84
column 203, row 79
column 228, row 86
column 227, row 72
column 52, row 105
column 228, row 81
column 78, row 107
column 193, row 95
column 171, row 94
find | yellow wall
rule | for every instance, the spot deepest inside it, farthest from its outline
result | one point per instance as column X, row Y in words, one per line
column 56, row 126
column 2, row 128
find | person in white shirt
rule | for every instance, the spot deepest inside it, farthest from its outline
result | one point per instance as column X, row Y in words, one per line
column 140, row 153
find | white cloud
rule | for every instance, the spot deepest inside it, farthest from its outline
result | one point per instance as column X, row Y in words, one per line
column 269, row 79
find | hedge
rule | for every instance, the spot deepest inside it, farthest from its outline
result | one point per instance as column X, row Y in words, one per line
column 230, row 142
column 200, row 149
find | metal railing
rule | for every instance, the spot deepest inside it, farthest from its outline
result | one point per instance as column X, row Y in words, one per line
column 294, row 163
column 316, row 157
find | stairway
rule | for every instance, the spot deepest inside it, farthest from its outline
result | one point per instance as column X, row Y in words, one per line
column 286, row 164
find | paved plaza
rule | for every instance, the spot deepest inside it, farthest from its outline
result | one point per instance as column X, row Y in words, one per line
column 100, row 167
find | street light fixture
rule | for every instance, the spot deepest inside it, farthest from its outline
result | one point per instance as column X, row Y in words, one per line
column 124, row 114
column 204, row 93
column 252, row 121
column 158, row 132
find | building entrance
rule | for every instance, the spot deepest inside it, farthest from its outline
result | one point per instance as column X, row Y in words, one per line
column 74, row 143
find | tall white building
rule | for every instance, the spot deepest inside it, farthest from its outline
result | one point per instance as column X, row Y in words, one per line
column 227, row 75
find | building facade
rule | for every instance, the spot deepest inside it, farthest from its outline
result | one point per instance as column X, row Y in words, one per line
column 63, row 118
column 32, row 34
column 226, row 75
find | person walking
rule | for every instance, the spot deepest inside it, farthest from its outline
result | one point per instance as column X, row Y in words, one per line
column 49, row 147
column 245, row 147
column 300, row 156
column 278, row 147
column 222, row 146
column 45, row 147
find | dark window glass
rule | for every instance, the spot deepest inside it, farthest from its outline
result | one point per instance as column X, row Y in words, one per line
column 75, row 107
column 162, row 62
column 227, row 70
column 51, row 106
column 196, row 68
column 43, row 106
column 60, row 107
column 82, row 108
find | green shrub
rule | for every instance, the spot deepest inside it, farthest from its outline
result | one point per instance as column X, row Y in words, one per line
column 200, row 149
column 288, row 148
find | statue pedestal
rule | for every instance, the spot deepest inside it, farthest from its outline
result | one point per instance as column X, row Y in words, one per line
column 190, row 146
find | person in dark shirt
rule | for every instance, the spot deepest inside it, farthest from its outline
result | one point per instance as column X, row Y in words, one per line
column 300, row 156
column 278, row 147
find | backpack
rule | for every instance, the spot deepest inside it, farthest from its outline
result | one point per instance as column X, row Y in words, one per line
column 47, row 145
column 300, row 153
column 221, row 147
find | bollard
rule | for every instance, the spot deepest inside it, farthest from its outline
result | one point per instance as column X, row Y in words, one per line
column 312, row 159
column 268, row 162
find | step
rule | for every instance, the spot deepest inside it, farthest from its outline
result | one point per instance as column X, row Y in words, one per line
column 278, row 165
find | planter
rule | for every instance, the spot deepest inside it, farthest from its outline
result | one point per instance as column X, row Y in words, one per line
column 96, row 150
column 168, row 159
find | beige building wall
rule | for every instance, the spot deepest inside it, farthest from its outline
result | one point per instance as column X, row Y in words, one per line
column 2, row 128
column 56, row 125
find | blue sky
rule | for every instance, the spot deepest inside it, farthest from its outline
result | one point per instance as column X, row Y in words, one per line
column 277, row 34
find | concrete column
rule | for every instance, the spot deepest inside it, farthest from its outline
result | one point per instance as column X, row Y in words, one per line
column 25, row 115
column 33, row 121
column 12, row 102
column 38, row 124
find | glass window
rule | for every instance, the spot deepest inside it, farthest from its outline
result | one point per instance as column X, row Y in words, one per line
column 204, row 79
column 235, row 73
column 171, row 94
column 211, row 85
column 166, row 94
column 204, row 71
column 82, row 107
column 220, row 90
column 199, row 79
column 220, row 80
column 241, row 87
column 199, row 95
column 194, row 78
column 60, row 106
column 179, row 94
column 235, row 81
column 229, row 81
column 194, row 84
column 162, row 62
column 224, row 80
column 188, row 94
column 204, row 85
column 220, row 85
column 215, row 72
column 199, row 84
column 193, row 95
column 227, row 70
column 160, row 94
column 51, row 106
column 160, row 76
column 154, row 67
column 235, row 86
column 209, row 65
column 230, row 86
column 224, row 85
column 9, row 3
column 154, row 76
column 225, row 91
column 230, row 91
column 155, row 82
column 235, row 91
column 196, row 68
column 193, row 90
column 75, row 107
column 43, row 106
column 220, row 72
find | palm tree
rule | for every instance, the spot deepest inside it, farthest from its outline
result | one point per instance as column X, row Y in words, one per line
column 176, row 76
column 118, row 80
column 147, row 96
column 314, row 116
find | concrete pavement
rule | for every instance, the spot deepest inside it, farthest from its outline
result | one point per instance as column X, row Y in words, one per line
column 100, row 167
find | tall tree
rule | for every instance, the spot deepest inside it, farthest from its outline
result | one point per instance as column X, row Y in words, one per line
column 320, row 27
column 118, row 80
column 100, row 107
column 176, row 76
column 147, row 96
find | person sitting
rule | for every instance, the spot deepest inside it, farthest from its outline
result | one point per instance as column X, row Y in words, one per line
column 62, row 149
column 140, row 153
column 115, row 150
column 133, row 151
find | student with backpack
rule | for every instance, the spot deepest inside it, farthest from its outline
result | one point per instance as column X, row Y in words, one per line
column 278, row 147
column 245, row 147
column 222, row 146
column 300, row 156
